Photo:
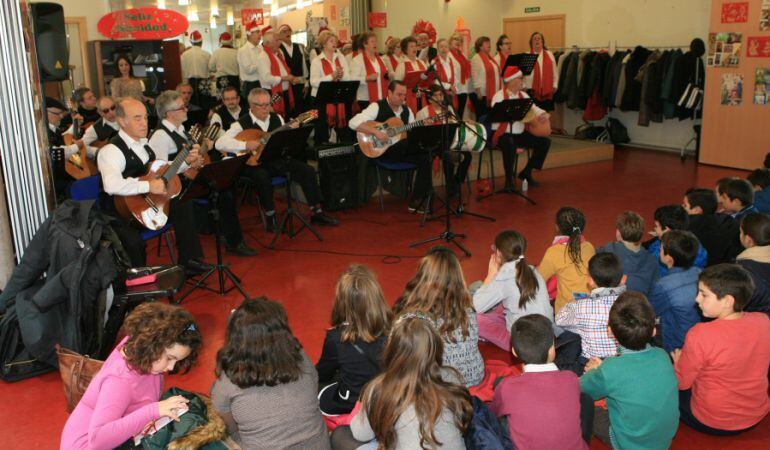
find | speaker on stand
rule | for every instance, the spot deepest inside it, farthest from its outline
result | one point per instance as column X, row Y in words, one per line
column 338, row 175
column 50, row 41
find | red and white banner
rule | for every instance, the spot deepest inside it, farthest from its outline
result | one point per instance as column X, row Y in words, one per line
column 378, row 20
column 252, row 15
column 142, row 24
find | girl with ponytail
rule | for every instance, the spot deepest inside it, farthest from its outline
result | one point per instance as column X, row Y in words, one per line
column 567, row 258
column 511, row 289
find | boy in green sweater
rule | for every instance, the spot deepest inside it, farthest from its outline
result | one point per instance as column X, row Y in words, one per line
column 639, row 385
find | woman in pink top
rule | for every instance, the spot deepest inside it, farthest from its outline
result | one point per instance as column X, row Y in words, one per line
column 722, row 368
column 123, row 397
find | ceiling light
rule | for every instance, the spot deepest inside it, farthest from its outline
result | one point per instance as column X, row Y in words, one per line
column 214, row 10
column 161, row 4
column 192, row 14
column 267, row 2
column 230, row 18
column 213, row 24
column 184, row 2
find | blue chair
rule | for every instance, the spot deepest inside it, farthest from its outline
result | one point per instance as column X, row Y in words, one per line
column 89, row 188
column 390, row 165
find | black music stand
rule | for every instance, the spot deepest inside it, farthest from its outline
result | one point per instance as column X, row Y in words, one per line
column 524, row 61
column 213, row 179
column 337, row 93
column 283, row 145
column 506, row 113
column 429, row 139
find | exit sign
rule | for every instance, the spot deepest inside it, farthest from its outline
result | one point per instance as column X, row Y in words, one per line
column 531, row 9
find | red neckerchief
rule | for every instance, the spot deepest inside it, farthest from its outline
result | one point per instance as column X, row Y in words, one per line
column 542, row 81
column 279, row 106
column 503, row 127
column 411, row 97
column 335, row 115
column 491, row 70
column 374, row 94
column 465, row 65
column 393, row 62
column 443, row 78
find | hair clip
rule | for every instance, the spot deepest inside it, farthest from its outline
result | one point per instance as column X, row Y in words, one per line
column 574, row 229
column 520, row 258
column 415, row 316
column 191, row 327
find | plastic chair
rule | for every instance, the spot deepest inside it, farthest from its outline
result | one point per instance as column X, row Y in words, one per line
column 390, row 165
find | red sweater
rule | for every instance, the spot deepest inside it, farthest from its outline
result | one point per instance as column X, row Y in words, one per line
column 543, row 410
column 725, row 363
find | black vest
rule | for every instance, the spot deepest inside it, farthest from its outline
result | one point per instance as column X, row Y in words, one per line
column 134, row 166
column 248, row 124
column 386, row 112
column 89, row 115
column 178, row 140
column 296, row 61
column 103, row 131
column 227, row 118
column 55, row 138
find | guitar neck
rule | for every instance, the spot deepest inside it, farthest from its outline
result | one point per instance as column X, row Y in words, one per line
column 416, row 123
column 176, row 164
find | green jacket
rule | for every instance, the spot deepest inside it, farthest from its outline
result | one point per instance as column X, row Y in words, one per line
column 642, row 397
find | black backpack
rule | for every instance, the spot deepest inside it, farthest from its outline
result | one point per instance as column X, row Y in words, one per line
column 16, row 362
column 617, row 131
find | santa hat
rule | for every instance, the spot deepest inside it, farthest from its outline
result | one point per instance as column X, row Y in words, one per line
column 511, row 73
column 196, row 37
column 284, row 27
column 225, row 38
column 251, row 28
column 266, row 29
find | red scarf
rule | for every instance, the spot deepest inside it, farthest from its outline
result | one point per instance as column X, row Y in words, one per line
column 411, row 97
column 542, row 81
column 493, row 82
column 275, row 70
column 443, row 78
column 393, row 62
column 500, row 59
column 465, row 65
column 374, row 94
column 502, row 127
column 335, row 115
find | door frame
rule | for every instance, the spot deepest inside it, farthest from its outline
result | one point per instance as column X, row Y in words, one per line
column 546, row 17
column 81, row 22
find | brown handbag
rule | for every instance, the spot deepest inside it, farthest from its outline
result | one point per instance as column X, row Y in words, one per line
column 76, row 372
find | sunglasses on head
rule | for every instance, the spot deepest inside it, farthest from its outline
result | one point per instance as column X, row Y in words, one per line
column 106, row 110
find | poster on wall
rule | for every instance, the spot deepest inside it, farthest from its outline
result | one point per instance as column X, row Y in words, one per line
column 724, row 49
column 764, row 16
column 735, row 12
column 758, row 47
column 762, row 86
column 732, row 89
column 253, row 15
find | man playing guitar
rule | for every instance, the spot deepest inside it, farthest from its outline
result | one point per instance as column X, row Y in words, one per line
column 394, row 106
column 121, row 162
column 59, row 151
column 103, row 129
column 169, row 138
column 260, row 117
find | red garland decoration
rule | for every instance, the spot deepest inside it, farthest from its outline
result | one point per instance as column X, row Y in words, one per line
column 422, row 26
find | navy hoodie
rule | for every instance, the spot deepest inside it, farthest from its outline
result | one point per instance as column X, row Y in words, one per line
column 640, row 267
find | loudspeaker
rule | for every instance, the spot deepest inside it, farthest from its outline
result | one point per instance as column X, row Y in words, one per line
column 50, row 41
column 338, row 173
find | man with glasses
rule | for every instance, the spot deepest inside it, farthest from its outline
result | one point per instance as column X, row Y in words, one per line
column 229, row 111
column 195, row 113
column 59, row 151
column 260, row 117
column 103, row 129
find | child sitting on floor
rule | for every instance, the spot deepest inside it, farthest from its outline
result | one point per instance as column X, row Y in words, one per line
column 567, row 258
column 553, row 416
column 760, row 181
column 667, row 218
column 755, row 237
column 640, row 268
column 722, row 368
column 673, row 296
column 717, row 232
column 353, row 345
column 737, row 198
column 639, row 384
column 588, row 316
column 511, row 289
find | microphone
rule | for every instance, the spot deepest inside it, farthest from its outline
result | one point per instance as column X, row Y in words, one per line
column 424, row 75
column 418, row 89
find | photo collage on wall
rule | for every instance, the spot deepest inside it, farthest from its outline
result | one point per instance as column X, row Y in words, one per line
column 724, row 49
column 732, row 89
column 762, row 86
column 764, row 16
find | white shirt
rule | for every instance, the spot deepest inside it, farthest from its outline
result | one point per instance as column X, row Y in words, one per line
column 69, row 150
column 266, row 78
column 112, row 163
column 317, row 72
column 228, row 142
column 90, row 136
column 195, row 63
column 547, row 367
column 164, row 147
column 424, row 113
column 358, row 72
column 216, row 118
column 461, row 88
column 529, row 78
column 370, row 113
column 418, row 65
column 518, row 126
column 391, row 67
column 247, row 61
column 224, row 62
column 479, row 75
column 290, row 50
column 448, row 66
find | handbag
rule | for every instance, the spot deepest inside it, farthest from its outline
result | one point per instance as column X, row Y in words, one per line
column 76, row 372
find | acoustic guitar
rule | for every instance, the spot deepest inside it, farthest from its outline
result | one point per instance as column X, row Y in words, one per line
column 255, row 134
column 151, row 210
column 199, row 136
column 78, row 165
column 394, row 127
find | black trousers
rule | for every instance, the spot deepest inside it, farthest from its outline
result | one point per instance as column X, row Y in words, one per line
column 227, row 80
column 480, row 105
column 181, row 217
column 510, row 142
column 455, row 175
column 688, row 418
column 228, row 218
column 247, row 87
column 461, row 100
column 402, row 152
column 321, row 127
column 300, row 102
column 201, row 93
column 301, row 173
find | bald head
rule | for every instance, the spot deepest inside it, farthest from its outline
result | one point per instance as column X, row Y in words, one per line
column 132, row 117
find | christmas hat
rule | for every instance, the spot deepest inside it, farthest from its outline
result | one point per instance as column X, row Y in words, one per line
column 251, row 27
column 225, row 38
column 196, row 37
column 511, row 72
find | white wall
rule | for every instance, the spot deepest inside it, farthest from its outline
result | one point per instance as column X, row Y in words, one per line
column 92, row 10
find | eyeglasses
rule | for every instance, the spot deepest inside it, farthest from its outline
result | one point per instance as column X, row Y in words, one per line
column 261, row 105
column 106, row 110
column 55, row 113
column 181, row 108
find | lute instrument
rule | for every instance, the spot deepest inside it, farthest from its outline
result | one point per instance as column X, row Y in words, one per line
column 199, row 137
column 394, row 127
column 255, row 134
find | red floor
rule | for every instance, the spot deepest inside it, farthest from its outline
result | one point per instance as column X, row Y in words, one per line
column 302, row 272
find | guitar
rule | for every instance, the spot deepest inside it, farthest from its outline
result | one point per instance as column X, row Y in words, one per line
column 151, row 210
column 199, row 137
column 394, row 127
column 78, row 166
column 255, row 134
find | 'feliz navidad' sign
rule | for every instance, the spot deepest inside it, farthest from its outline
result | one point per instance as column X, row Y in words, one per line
column 142, row 24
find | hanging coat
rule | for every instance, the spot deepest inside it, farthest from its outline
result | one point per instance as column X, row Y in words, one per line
column 666, row 93
column 646, row 77
column 633, row 91
column 688, row 68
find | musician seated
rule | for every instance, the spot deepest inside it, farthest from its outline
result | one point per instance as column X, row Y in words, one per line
column 516, row 135
column 121, row 163
column 59, row 151
column 103, row 129
column 168, row 139
column 394, row 106
column 229, row 111
column 454, row 178
column 260, row 117
column 86, row 111
column 194, row 112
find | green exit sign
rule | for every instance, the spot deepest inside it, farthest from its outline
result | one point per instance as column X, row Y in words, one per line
column 531, row 9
